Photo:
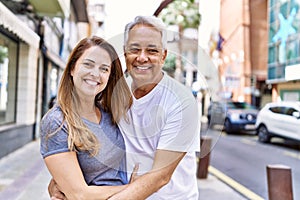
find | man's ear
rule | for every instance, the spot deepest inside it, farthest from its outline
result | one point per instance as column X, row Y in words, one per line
column 165, row 53
column 124, row 52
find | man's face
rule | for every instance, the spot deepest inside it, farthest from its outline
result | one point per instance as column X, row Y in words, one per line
column 144, row 55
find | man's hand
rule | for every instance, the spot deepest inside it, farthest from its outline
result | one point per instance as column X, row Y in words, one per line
column 54, row 191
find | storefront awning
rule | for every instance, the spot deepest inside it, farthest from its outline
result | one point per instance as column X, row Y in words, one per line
column 51, row 8
column 13, row 24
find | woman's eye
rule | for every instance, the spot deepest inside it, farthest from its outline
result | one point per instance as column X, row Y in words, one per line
column 86, row 64
column 104, row 69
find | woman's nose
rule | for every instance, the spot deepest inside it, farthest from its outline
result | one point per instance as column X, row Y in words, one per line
column 95, row 72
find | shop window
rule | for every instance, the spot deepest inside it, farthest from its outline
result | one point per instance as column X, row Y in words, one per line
column 8, row 79
column 53, row 81
column 272, row 54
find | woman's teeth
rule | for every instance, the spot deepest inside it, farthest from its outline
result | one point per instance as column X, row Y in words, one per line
column 90, row 82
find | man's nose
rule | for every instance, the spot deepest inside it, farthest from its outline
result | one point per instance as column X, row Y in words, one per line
column 143, row 56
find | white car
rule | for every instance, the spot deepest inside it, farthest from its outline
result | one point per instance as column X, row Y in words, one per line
column 281, row 119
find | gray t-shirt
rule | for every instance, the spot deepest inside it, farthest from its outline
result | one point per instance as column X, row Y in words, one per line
column 107, row 167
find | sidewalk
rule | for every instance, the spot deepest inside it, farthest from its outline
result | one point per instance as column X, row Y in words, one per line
column 24, row 177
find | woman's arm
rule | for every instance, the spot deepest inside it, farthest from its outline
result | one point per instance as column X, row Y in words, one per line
column 66, row 172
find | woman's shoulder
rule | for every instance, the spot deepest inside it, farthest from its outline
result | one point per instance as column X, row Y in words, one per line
column 52, row 116
column 54, row 111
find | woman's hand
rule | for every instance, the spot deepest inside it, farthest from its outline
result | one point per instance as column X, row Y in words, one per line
column 55, row 192
column 134, row 175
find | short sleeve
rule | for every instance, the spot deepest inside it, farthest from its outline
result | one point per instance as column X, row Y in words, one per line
column 182, row 129
column 54, row 137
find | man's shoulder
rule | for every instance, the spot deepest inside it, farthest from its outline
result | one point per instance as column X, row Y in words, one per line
column 176, row 87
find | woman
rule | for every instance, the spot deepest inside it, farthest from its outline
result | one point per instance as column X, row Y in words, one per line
column 80, row 142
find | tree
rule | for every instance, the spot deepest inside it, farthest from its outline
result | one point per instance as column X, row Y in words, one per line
column 3, row 54
column 184, row 14
column 170, row 64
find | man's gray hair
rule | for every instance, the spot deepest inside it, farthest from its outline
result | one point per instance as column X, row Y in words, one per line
column 152, row 21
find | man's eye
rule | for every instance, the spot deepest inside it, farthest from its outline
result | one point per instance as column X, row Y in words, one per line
column 134, row 50
column 152, row 51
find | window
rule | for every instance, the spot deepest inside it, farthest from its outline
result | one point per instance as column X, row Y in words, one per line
column 8, row 79
column 53, row 81
column 289, row 111
column 276, row 110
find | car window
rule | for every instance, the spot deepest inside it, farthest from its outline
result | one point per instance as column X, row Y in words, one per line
column 289, row 111
column 275, row 109
column 239, row 105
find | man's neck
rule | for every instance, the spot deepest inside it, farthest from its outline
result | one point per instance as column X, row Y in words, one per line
column 139, row 92
column 142, row 89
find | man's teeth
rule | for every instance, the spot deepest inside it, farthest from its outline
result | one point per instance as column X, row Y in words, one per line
column 143, row 68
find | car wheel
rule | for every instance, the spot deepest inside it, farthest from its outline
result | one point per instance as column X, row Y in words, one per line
column 263, row 134
column 227, row 126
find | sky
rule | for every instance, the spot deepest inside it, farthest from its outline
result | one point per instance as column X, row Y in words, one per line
column 119, row 13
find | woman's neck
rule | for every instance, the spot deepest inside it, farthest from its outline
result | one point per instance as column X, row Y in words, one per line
column 90, row 112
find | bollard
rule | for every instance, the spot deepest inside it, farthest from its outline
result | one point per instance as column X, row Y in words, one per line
column 279, row 182
column 205, row 144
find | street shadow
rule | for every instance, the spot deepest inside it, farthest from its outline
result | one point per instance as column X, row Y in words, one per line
column 286, row 143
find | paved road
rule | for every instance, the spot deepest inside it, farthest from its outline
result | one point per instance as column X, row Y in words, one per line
column 244, row 159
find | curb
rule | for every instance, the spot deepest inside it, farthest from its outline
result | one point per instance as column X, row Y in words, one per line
column 233, row 184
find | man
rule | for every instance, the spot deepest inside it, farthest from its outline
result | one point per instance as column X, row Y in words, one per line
column 162, row 130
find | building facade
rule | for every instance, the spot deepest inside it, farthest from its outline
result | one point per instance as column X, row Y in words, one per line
column 36, row 38
column 284, row 45
column 242, row 50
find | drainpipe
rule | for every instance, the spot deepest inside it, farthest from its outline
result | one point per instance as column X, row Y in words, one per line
column 39, row 80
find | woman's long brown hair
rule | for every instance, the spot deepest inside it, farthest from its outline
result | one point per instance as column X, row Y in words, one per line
column 115, row 98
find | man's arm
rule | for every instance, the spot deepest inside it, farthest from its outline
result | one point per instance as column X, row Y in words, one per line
column 165, row 162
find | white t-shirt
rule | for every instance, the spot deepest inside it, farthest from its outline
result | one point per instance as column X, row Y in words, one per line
column 166, row 118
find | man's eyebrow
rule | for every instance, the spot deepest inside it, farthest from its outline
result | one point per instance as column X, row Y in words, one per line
column 152, row 45
column 134, row 44
column 138, row 45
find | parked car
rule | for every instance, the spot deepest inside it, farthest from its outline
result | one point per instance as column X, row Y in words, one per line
column 280, row 119
column 233, row 116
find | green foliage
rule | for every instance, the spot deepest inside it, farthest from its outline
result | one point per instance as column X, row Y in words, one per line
column 170, row 62
column 3, row 53
column 184, row 13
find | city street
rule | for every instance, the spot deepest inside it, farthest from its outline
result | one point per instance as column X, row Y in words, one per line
column 24, row 176
column 244, row 159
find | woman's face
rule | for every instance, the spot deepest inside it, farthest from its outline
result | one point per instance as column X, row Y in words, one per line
column 91, row 72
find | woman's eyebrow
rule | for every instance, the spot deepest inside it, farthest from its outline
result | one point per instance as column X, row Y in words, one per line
column 89, row 60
